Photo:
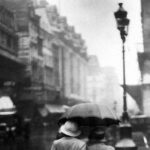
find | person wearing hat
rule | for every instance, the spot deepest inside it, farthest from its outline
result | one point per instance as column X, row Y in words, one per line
column 59, row 134
column 97, row 140
column 69, row 140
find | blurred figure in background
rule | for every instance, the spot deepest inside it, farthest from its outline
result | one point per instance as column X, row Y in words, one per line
column 97, row 140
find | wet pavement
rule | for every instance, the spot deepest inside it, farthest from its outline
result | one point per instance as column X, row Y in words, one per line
column 40, row 139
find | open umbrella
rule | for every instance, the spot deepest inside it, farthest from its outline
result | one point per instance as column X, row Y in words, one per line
column 90, row 114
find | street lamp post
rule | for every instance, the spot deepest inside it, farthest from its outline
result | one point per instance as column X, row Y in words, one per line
column 125, row 142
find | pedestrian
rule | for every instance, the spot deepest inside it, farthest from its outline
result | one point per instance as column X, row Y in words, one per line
column 59, row 134
column 97, row 140
column 69, row 140
column 84, row 135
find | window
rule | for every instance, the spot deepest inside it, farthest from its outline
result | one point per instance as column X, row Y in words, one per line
column 71, row 73
column 49, row 76
column 48, row 57
column 40, row 45
column 3, row 40
column 9, row 41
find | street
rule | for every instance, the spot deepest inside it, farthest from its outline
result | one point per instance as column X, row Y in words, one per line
column 65, row 63
column 40, row 139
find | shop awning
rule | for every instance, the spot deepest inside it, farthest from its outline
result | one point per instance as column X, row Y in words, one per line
column 56, row 108
column 51, row 109
column 72, row 101
column 6, row 106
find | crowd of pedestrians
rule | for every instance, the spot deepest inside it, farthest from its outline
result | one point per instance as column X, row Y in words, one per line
column 70, row 137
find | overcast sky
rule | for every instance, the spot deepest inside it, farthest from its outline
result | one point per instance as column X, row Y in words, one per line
column 94, row 19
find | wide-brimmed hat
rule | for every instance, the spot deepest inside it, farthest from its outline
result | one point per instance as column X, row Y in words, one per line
column 70, row 129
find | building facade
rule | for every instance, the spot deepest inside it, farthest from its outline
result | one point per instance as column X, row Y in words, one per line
column 144, row 58
column 94, row 79
column 32, row 50
column 54, row 54
column 70, row 49
column 11, row 67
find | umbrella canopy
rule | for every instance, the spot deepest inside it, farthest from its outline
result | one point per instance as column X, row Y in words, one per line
column 90, row 114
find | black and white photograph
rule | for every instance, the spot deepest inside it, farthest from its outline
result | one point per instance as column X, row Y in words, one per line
column 74, row 74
